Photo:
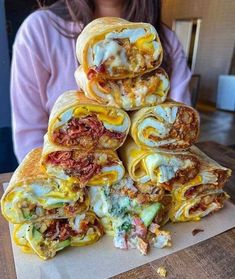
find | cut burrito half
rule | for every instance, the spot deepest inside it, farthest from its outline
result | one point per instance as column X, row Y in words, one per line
column 168, row 126
column 195, row 208
column 162, row 168
column 130, row 93
column 115, row 48
column 88, row 168
column 212, row 177
column 77, row 121
column 126, row 213
column 47, row 237
column 32, row 195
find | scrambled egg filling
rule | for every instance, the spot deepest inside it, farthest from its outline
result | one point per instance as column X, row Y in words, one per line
column 129, row 50
column 196, row 208
column 113, row 119
column 111, row 171
column 153, row 130
column 133, row 93
column 42, row 199
column 159, row 168
column 47, row 237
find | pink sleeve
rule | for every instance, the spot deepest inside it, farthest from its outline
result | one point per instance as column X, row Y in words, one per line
column 181, row 74
column 29, row 78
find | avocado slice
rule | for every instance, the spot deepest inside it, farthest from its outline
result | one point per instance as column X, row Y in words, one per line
column 61, row 245
column 147, row 214
column 26, row 213
column 35, row 238
column 56, row 205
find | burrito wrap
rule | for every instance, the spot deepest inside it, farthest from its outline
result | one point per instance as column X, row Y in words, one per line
column 89, row 168
column 169, row 126
column 130, row 93
column 211, row 177
column 32, row 195
column 96, row 31
column 80, row 122
column 46, row 238
column 163, row 168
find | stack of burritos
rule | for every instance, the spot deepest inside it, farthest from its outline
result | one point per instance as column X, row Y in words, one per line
column 118, row 157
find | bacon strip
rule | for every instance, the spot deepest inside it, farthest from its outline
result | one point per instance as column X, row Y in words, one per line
column 59, row 229
column 85, row 131
column 83, row 167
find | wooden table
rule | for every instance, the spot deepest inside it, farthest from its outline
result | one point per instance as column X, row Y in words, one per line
column 211, row 259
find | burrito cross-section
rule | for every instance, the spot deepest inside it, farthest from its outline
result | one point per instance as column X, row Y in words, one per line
column 130, row 93
column 116, row 48
column 168, row 126
column 202, row 195
column 77, row 121
column 47, row 237
column 129, row 215
column 32, row 195
column 87, row 168
column 162, row 168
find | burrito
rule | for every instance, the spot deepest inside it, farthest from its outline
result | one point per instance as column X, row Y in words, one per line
column 162, row 168
column 130, row 93
column 32, row 195
column 194, row 209
column 77, row 121
column 212, row 176
column 169, row 126
column 47, row 237
column 126, row 215
column 87, row 168
column 123, row 198
column 203, row 194
column 115, row 48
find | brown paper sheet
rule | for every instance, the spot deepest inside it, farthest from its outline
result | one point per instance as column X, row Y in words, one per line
column 101, row 260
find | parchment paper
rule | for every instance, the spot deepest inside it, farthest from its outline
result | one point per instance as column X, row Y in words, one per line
column 101, row 260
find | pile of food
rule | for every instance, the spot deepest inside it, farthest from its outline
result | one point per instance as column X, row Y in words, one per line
column 103, row 170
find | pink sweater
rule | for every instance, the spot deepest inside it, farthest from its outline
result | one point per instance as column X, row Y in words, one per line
column 43, row 67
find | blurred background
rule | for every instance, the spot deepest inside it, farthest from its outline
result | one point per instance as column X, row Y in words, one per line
column 206, row 28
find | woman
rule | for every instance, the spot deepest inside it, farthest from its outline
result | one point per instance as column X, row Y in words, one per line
column 44, row 60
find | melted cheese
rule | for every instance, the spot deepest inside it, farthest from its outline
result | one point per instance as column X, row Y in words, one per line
column 118, row 128
column 108, row 115
column 108, row 176
column 111, row 118
column 109, row 48
column 132, row 34
column 146, row 43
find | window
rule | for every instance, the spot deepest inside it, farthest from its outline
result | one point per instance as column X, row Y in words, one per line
column 187, row 31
